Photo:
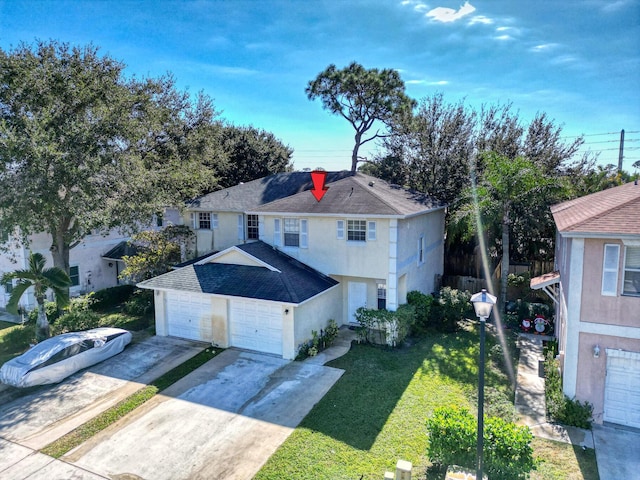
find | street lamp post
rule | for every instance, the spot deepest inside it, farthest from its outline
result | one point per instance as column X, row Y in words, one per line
column 482, row 302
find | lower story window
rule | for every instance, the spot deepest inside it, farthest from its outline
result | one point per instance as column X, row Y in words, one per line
column 74, row 275
column 382, row 296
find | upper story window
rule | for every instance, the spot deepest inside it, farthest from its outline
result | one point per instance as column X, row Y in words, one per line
column 421, row 250
column 631, row 284
column 252, row 227
column 357, row 230
column 8, row 287
column 74, row 275
column 159, row 220
column 204, row 220
column 291, row 232
column 610, row 269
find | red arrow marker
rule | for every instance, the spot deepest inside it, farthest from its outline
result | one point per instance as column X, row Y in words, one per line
column 318, row 177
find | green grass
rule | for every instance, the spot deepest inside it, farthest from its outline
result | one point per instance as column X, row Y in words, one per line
column 375, row 414
column 87, row 430
column 14, row 339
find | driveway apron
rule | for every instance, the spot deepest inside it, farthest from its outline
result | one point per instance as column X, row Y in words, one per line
column 224, row 420
column 617, row 452
column 46, row 413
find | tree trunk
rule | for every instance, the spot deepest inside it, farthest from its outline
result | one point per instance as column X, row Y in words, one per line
column 354, row 154
column 504, row 274
column 60, row 250
column 42, row 324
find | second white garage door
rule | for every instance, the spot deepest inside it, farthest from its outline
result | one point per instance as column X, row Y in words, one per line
column 256, row 325
column 622, row 388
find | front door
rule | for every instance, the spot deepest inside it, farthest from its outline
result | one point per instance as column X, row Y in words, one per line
column 357, row 298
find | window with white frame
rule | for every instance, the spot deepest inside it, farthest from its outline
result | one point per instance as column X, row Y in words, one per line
column 610, row 269
column 382, row 296
column 631, row 284
column 357, row 230
column 421, row 250
column 8, row 286
column 291, row 232
column 252, row 227
column 74, row 275
column 204, row 220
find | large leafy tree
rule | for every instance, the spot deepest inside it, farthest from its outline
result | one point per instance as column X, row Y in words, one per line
column 363, row 97
column 83, row 148
column 251, row 153
column 41, row 279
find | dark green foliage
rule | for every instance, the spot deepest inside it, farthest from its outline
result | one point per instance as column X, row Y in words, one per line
column 75, row 321
column 140, row 303
column 51, row 309
column 319, row 341
column 383, row 327
column 561, row 408
column 423, row 305
column 449, row 307
column 110, row 297
column 453, row 441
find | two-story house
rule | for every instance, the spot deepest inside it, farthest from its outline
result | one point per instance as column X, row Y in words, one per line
column 597, row 292
column 365, row 243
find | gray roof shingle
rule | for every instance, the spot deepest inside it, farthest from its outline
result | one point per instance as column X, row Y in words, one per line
column 294, row 283
column 357, row 194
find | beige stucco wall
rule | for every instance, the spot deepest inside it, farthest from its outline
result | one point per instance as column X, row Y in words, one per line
column 234, row 257
column 422, row 276
column 224, row 236
column 314, row 315
column 332, row 256
column 598, row 308
column 592, row 371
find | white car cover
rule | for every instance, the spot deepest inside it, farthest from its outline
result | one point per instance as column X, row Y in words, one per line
column 54, row 359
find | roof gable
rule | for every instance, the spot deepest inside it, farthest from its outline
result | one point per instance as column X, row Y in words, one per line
column 235, row 256
column 357, row 194
column 288, row 280
column 612, row 211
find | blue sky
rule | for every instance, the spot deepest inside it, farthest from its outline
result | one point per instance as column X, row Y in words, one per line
column 577, row 60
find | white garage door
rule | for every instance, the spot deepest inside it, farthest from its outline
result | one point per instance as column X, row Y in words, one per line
column 189, row 316
column 622, row 388
column 256, row 326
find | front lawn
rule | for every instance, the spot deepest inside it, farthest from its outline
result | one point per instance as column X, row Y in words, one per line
column 376, row 413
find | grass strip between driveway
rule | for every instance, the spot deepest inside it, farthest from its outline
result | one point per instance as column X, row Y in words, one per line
column 87, row 430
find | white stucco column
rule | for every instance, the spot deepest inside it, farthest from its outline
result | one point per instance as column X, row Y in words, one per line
column 161, row 317
column 574, row 303
column 392, row 280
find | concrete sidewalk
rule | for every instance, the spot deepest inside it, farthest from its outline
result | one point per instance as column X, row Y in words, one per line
column 530, row 397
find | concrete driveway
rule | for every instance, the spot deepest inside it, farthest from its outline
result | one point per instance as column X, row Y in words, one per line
column 224, row 420
column 617, row 452
column 42, row 414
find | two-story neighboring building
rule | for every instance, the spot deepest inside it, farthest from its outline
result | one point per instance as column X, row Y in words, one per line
column 597, row 287
column 95, row 262
column 365, row 243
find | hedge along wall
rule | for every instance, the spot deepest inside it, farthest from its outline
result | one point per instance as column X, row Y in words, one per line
column 383, row 327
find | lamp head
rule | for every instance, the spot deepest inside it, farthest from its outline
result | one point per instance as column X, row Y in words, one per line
column 483, row 302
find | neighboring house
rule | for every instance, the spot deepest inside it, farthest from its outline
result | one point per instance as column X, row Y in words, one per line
column 597, row 292
column 94, row 263
column 371, row 241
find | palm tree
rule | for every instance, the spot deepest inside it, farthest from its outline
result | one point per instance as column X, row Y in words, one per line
column 41, row 279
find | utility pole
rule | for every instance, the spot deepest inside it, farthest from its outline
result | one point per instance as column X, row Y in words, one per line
column 620, row 155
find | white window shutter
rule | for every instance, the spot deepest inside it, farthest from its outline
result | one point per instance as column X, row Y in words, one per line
column 340, row 229
column 372, row 231
column 194, row 220
column 610, row 270
column 214, row 220
column 276, row 232
column 304, row 236
column 240, row 227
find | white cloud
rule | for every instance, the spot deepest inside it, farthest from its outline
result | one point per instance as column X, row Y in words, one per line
column 425, row 82
column 544, row 47
column 503, row 38
column 502, row 29
column 480, row 19
column 420, row 7
column 447, row 15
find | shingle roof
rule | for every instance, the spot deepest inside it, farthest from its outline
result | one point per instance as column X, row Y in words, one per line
column 357, row 194
column 122, row 249
column 612, row 211
column 247, row 196
column 294, row 283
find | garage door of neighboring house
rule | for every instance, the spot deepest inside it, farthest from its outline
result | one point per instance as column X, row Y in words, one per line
column 622, row 388
column 256, row 326
column 189, row 316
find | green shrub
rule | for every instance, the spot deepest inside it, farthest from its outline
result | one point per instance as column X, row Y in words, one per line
column 110, row 297
column 82, row 303
column 140, row 303
column 561, row 408
column 383, row 327
column 423, row 305
column 319, row 341
column 75, row 321
column 507, row 451
column 450, row 306
column 51, row 310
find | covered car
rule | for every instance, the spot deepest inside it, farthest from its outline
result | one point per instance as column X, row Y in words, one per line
column 54, row 359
